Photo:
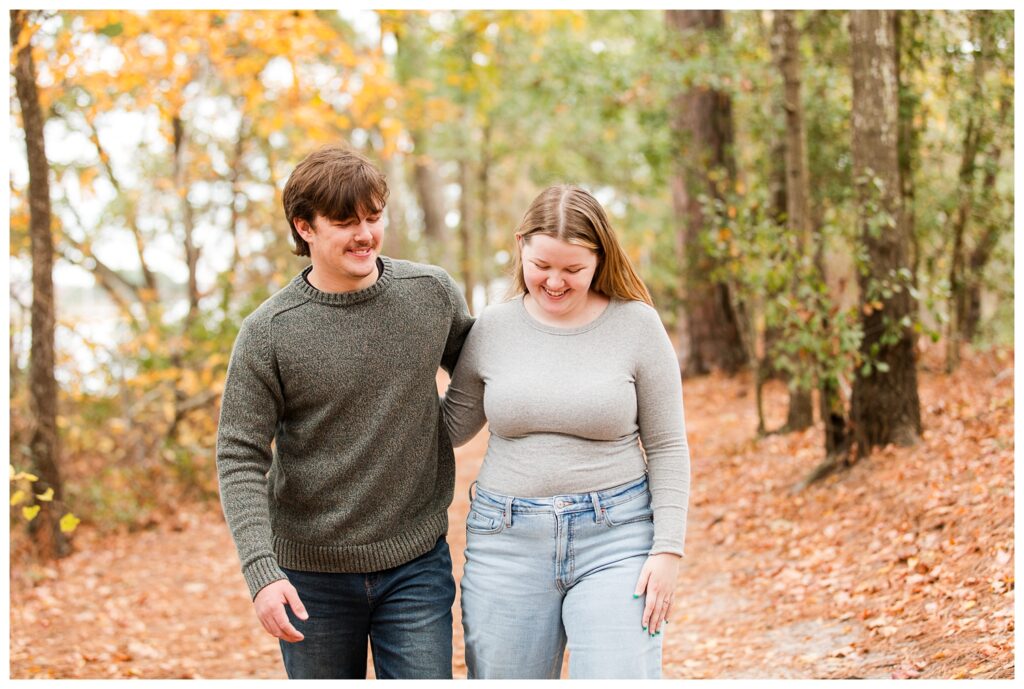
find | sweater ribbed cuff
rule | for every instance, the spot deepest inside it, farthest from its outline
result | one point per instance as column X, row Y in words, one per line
column 371, row 557
column 261, row 572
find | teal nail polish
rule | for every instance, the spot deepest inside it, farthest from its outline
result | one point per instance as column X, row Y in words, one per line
column 636, row 595
column 645, row 627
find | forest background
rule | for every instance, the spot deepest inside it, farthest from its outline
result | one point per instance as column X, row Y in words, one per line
column 815, row 198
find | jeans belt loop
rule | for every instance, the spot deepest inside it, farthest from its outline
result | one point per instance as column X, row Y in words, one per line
column 597, row 507
column 470, row 491
column 508, row 511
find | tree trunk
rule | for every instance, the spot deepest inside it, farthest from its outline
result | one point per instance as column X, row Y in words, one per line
column 44, row 443
column 994, row 226
column 907, row 59
column 426, row 180
column 397, row 237
column 798, row 220
column 465, row 231
column 187, row 220
column 703, row 130
column 484, row 192
column 885, row 404
column 430, row 194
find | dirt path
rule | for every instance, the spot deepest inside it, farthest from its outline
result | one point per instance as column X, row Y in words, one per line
column 902, row 567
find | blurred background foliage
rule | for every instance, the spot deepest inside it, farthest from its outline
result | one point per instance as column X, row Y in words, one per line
column 170, row 135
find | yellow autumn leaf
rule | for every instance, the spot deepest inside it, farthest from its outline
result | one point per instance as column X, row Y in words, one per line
column 45, row 497
column 24, row 475
column 18, row 497
column 30, row 512
column 69, row 523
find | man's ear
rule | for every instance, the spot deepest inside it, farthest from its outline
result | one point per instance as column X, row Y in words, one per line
column 304, row 229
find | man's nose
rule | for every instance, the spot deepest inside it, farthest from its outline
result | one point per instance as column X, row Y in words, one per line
column 363, row 230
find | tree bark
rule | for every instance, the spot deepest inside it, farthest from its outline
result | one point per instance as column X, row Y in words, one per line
column 703, row 131
column 798, row 220
column 907, row 59
column 44, row 443
column 885, row 404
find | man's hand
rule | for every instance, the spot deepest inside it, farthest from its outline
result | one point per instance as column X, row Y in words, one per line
column 270, row 602
column 658, row 581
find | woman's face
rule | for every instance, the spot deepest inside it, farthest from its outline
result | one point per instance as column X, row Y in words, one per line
column 557, row 274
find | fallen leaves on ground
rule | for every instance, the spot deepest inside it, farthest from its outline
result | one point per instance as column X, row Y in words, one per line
column 901, row 567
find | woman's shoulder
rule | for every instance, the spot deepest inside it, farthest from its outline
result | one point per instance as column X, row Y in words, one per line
column 637, row 313
column 496, row 318
column 502, row 312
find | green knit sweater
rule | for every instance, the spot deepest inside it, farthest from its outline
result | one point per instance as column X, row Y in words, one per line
column 361, row 470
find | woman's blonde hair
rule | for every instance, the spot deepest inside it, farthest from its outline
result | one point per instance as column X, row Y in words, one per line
column 572, row 214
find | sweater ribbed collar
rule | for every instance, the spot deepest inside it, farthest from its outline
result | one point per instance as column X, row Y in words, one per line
column 387, row 273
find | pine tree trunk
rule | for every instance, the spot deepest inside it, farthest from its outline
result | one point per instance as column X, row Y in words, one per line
column 703, row 130
column 44, row 443
column 885, row 405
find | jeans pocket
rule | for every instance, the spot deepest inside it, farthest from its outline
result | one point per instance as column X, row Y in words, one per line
column 635, row 509
column 481, row 520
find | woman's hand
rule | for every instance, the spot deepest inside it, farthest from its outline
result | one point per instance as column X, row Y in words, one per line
column 658, row 581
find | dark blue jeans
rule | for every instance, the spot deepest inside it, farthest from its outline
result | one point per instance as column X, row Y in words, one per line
column 405, row 611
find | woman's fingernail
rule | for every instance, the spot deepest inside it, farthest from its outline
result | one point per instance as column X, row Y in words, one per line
column 636, row 595
column 645, row 627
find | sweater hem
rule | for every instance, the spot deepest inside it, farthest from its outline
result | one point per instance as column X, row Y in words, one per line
column 369, row 557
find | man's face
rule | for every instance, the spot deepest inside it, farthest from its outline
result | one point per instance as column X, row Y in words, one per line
column 343, row 252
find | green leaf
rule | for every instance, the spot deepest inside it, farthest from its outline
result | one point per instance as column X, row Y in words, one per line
column 112, row 30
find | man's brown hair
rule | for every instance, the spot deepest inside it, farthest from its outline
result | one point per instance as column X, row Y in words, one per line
column 335, row 182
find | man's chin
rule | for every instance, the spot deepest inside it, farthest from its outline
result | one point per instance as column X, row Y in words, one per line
column 363, row 267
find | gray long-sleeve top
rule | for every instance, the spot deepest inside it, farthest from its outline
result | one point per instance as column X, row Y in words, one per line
column 568, row 408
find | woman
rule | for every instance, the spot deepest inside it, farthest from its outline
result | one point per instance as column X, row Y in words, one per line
column 575, row 532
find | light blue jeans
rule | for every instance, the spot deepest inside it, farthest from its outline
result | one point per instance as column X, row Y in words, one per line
column 541, row 572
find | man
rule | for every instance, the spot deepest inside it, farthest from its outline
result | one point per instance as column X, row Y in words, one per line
column 341, row 527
